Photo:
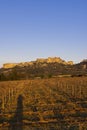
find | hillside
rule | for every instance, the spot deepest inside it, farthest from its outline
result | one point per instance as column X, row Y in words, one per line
column 42, row 68
column 38, row 61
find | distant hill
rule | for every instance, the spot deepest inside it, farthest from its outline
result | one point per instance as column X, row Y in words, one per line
column 38, row 61
column 42, row 68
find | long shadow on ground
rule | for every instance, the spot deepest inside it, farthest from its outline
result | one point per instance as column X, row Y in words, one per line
column 16, row 123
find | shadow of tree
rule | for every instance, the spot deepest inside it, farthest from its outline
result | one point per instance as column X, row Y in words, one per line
column 16, row 123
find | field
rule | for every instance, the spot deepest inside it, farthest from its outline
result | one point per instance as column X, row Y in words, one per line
column 60, row 102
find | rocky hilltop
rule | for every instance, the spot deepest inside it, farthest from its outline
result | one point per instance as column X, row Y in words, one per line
column 42, row 68
column 39, row 60
column 9, row 65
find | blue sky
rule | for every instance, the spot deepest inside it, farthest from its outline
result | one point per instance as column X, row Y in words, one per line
column 31, row 29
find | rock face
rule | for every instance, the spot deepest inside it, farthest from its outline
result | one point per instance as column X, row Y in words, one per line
column 54, row 60
column 9, row 65
column 39, row 60
column 70, row 62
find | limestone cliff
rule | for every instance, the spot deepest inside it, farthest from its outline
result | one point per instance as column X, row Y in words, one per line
column 54, row 60
column 39, row 60
column 9, row 65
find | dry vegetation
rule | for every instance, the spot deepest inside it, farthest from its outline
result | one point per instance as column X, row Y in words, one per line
column 54, row 100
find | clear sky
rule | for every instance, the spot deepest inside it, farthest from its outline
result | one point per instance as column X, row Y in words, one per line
column 31, row 29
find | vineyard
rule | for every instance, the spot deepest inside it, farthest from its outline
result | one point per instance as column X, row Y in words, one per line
column 55, row 100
